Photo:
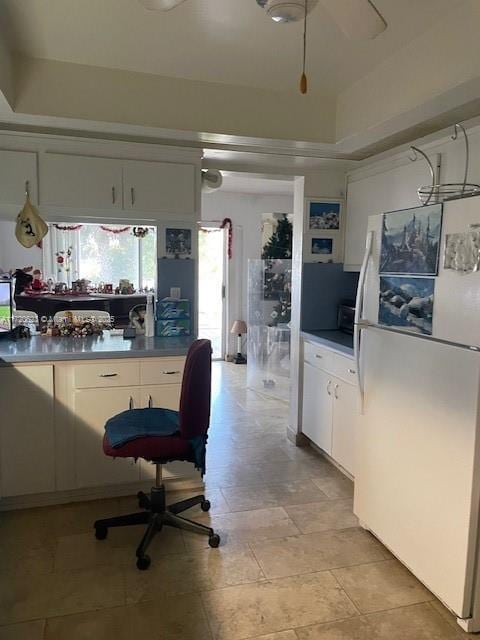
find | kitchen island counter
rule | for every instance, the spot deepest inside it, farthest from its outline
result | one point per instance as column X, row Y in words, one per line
column 49, row 349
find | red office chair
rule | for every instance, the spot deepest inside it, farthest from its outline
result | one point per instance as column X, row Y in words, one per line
column 194, row 417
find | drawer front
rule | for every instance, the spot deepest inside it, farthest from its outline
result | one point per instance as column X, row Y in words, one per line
column 344, row 368
column 107, row 374
column 317, row 356
column 162, row 371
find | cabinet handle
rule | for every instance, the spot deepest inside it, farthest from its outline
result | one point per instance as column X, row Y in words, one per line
column 132, row 195
column 335, row 392
column 150, row 402
column 170, row 373
column 352, row 371
column 318, row 356
column 108, row 375
column 130, row 403
column 27, row 188
column 328, row 387
column 113, row 195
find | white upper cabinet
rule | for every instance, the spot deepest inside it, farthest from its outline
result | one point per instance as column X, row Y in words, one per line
column 159, row 187
column 395, row 188
column 80, row 182
column 17, row 169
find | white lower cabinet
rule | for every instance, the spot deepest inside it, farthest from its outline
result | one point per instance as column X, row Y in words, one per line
column 93, row 407
column 27, row 432
column 317, row 407
column 330, row 413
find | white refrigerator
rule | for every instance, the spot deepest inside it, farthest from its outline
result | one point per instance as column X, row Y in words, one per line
column 417, row 481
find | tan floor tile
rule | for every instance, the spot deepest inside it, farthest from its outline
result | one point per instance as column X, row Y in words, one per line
column 281, row 635
column 25, row 597
column 201, row 570
column 382, row 585
column 447, row 616
column 23, row 631
column 245, row 498
column 234, row 475
column 291, row 471
column 316, row 552
column 417, row 622
column 245, row 526
column 323, row 516
column 246, row 455
column 178, row 618
column 25, row 560
column 336, row 486
column 266, row 607
column 216, row 498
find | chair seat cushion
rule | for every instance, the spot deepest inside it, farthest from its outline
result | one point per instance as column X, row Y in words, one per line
column 152, row 448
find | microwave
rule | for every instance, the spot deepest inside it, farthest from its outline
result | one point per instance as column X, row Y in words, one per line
column 346, row 317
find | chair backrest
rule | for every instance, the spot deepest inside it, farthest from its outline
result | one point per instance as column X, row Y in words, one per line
column 196, row 390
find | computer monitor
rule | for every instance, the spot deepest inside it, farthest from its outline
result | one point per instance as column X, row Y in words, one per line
column 5, row 306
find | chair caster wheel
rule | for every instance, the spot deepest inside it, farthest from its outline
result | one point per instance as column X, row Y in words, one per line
column 101, row 533
column 214, row 540
column 205, row 505
column 143, row 563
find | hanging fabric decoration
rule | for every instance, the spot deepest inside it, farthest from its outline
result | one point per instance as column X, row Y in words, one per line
column 66, row 227
column 30, row 228
column 115, row 231
column 227, row 224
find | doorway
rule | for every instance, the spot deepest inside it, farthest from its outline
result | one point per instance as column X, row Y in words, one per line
column 211, row 276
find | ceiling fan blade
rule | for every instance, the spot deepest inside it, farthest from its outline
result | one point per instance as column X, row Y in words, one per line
column 161, row 5
column 358, row 19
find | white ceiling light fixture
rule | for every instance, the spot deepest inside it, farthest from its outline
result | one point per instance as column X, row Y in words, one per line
column 161, row 5
column 287, row 10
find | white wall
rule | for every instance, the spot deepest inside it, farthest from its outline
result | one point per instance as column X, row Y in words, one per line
column 245, row 211
column 12, row 254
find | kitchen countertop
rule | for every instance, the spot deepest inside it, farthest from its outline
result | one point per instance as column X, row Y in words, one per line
column 336, row 340
column 43, row 349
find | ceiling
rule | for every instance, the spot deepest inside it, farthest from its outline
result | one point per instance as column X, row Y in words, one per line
column 226, row 41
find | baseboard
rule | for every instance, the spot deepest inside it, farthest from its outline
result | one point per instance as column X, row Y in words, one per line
column 95, row 493
column 297, row 438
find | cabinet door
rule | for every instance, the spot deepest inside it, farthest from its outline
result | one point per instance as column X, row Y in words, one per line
column 81, row 182
column 161, row 187
column 93, row 407
column 27, row 430
column 346, row 419
column 18, row 168
column 317, row 407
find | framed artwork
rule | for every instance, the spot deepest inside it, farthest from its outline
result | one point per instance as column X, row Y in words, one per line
column 411, row 241
column 324, row 214
column 178, row 243
column 407, row 303
column 322, row 247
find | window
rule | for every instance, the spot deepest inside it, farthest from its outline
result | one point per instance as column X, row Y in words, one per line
column 104, row 253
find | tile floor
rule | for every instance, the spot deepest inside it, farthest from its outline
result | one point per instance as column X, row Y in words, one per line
column 293, row 564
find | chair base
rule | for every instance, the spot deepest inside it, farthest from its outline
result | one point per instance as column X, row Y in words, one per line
column 155, row 515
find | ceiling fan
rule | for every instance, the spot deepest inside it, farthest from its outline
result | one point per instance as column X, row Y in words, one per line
column 358, row 19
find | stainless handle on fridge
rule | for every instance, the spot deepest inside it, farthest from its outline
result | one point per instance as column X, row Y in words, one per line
column 358, row 315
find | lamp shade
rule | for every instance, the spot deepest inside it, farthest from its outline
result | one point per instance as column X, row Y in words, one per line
column 239, row 327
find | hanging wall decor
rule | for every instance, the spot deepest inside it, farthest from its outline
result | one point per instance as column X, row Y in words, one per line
column 178, row 242
column 140, row 232
column 115, row 231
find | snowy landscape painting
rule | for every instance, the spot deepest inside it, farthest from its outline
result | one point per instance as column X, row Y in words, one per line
column 322, row 246
column 407, row 303
column 411, row 241
column 324, row 215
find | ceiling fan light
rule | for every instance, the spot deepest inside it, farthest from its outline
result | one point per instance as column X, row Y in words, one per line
column 286, row 11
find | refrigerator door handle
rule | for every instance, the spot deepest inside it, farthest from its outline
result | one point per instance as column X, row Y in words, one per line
column 358, row 316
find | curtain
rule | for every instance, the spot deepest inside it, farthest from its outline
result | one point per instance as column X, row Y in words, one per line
column 58, row 244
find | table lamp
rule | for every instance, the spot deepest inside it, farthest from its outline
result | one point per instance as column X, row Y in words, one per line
column 239, row 327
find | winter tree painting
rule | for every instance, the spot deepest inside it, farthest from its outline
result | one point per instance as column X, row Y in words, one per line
column 411, row 241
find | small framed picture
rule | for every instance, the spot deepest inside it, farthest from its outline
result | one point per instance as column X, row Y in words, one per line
column 322, row 246
column 324, row 214
column 178, row 243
